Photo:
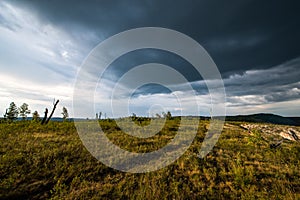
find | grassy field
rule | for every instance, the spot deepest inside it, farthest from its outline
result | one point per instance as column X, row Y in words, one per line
column 38, row 162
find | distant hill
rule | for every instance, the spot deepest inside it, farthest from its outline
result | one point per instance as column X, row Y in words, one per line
column 259, row 118
column 266, row 118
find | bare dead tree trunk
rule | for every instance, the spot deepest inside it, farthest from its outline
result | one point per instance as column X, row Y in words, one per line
column 276, row 145
column 6, row 113
column 294, row 135
column 45, row 116
column 55, row 104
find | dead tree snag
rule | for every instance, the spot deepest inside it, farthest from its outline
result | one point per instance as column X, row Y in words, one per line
column 45, row 116
column 54, row 107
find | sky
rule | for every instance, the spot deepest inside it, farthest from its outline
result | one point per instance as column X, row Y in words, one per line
column 254, row 44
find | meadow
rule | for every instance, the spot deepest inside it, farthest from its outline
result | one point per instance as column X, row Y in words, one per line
column 50, row 162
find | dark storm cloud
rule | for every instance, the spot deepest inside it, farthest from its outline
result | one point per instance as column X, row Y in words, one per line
column 277, row 84
column 260, row 81
column 255, row 44
column 256, row 87
column 138, row 57
column 239, row 35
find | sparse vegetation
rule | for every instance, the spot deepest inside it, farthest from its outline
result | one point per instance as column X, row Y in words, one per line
column 12, row 112
column 50, row 161
column 36, row 116
column 65, row 113
column 24, row 111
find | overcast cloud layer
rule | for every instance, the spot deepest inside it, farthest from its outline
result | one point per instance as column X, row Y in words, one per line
column 254, row 44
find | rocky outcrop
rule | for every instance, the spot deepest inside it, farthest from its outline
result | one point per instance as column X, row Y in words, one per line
column 287, row 132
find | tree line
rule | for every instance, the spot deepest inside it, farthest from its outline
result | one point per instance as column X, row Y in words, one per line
column 12, row 113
